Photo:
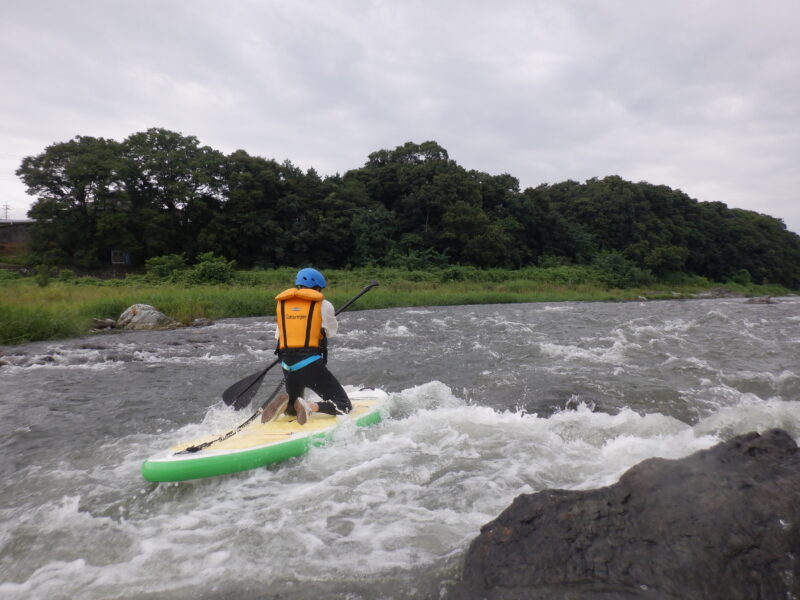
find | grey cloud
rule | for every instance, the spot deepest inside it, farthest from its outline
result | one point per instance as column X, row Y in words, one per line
column 699, row 95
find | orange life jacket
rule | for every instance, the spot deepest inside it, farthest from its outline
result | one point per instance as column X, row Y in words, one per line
column 299, row 316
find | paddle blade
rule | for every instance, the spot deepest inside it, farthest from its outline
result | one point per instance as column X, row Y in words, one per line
column 241, row 393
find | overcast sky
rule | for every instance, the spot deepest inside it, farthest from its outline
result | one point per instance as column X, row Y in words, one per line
column 699, row 95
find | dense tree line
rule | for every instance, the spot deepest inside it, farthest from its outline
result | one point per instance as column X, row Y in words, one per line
column 159, row 192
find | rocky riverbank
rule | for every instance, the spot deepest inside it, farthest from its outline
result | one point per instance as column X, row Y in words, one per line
column 722, row 523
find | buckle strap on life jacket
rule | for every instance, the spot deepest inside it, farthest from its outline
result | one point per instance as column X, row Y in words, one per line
column 283, row 324
column 309, row 323
column 303, row 363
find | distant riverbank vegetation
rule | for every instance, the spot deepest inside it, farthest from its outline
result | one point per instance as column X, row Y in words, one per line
column 205, row 234
column 51, row 305
column 159, row 193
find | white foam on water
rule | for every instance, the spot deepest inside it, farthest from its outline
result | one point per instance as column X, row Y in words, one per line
column 373, row 503
column 254, row 325
column 488, row 352
column 718, row 395
column 392, row 329
column 605, row 353
column 117, row 356
column 775, row 380
column 499, row 322
column 99, row 366
column 716, row 315
column 355, row 334
column 60, row 357
column 559, row 308
column 674, row 329
column 219, row 418
column 342, row 353
column 159, row 357
column 751, row 413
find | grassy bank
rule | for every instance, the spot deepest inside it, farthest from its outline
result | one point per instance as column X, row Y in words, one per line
column 33, row 309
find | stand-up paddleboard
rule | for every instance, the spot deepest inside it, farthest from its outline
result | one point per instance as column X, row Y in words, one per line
column 258, row 444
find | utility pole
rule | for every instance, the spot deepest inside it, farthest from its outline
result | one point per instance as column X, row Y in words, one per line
column 5, row 208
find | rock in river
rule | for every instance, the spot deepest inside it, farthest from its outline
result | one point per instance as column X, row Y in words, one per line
column 761, row 300
column 103, row 324
column 144, row 316
column 722, row 523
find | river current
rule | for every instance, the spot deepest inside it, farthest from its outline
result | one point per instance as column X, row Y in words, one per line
column 477, row 417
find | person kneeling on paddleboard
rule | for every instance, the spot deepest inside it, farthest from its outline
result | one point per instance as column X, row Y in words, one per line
column 305, row 323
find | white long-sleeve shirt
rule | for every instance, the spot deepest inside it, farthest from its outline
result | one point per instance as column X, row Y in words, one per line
column 329, row 322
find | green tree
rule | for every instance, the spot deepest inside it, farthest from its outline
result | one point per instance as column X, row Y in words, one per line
column 666, row 259
column 80, row 208
column 174, row 187
column 251, row 225
column 161, row 193
column 368, row 225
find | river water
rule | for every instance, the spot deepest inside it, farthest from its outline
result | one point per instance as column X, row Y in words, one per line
column 476, row 418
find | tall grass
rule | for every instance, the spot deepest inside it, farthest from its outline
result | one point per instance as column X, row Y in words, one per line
column 65, row 308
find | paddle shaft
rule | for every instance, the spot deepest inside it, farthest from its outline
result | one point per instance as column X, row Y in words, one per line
column 347, row 304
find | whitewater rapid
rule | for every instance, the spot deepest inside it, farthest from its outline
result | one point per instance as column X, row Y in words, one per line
column 475, row 418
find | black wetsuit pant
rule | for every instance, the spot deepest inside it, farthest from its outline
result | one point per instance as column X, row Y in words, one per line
column 317, row 378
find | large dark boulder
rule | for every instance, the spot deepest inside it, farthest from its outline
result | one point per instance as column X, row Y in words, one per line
column 721, row 523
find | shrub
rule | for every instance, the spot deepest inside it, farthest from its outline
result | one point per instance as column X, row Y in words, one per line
column 458, row 273
column 89, row 280
column 742, row 277
column 211, row 269
column 616, row 271
column 418, row 276
column 6, row 275
column 547, row 261
column 42, row 276
column 165, row 267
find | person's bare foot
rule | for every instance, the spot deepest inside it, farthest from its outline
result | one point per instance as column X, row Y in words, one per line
column 275, row 408
column 303, row 410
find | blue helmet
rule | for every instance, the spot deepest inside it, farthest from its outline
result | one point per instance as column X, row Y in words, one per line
column 309, row 278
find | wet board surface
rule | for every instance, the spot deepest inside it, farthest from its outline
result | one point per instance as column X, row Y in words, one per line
column 259, row 444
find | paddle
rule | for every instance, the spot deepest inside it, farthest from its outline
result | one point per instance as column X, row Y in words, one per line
column 241, row 393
